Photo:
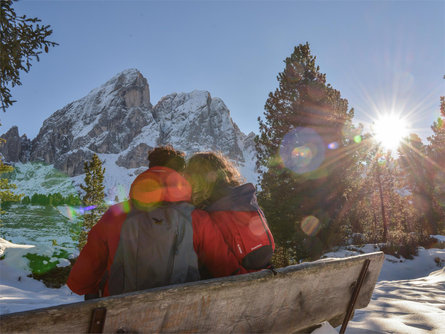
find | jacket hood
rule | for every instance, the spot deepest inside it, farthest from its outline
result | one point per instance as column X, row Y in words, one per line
column 160, row 184
column 241, row 198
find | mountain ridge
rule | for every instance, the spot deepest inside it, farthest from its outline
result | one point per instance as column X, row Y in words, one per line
column 118, row 121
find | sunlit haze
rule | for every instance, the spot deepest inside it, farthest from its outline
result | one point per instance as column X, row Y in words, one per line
column 389, row 130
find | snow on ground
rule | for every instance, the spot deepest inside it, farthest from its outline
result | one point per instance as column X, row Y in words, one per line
column 40, row 178
column 398, row 268
column 31, row 178
column 404, row 306
column 409, row 296
column 440, row 238
column 21, row 293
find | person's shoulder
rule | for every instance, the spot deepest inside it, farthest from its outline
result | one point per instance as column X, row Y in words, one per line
column 115, row 212
column 120, row 208
column 245, row 191
column 200, row 218
column 200, row 214
column 247, row 187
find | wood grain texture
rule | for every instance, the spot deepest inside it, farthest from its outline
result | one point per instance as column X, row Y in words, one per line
column 295, row 299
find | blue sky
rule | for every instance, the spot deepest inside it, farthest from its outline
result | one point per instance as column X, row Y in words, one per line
column 381, row 55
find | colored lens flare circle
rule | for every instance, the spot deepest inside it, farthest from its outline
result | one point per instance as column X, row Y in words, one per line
column 68, row 212
column 302, row 150
column 256, row 226
column 310, row 225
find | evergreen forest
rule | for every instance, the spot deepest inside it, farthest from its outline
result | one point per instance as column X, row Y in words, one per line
column 326, row 181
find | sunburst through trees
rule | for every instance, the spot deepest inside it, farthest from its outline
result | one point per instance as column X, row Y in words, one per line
column 324, row 182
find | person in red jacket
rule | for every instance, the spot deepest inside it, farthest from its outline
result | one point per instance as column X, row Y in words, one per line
column 160, row 184
column 233, row 207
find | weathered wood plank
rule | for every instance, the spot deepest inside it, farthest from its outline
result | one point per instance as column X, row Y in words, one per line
column 294, row 300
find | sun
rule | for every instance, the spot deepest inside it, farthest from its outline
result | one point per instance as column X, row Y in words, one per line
column 389, row 130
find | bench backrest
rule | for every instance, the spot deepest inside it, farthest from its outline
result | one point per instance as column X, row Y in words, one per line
column 293, row 300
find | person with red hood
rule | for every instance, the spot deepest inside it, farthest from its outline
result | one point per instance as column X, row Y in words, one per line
column 154, row 239
column 234, row 211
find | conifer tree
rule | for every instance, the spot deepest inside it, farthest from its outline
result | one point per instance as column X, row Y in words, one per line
column 414, row 167
column 7, row 188
column 362, row 210
column 94, row 196
column 26, row 200
column 305, row 120
column 379, row 204
column 436, row 163
column 22, row 40
column 437, row 140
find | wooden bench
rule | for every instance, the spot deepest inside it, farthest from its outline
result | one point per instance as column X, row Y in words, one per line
column 292, row 299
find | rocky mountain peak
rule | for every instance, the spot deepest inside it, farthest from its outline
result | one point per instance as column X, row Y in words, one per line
column 118, row 121
column 195, row 122
column 15, row 148
column 129, row 84
column 104, row 121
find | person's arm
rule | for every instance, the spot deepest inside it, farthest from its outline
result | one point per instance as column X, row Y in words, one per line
column 213, row 252
column 90, row 266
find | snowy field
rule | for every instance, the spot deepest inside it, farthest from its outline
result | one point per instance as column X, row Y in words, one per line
column 409, row 296
column 19, row 292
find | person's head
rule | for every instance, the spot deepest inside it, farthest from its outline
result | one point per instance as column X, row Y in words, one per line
column 209, row 173
column 167, row 156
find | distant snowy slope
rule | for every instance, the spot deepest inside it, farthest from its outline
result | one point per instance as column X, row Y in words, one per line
column 118, row 122
column 31, row 178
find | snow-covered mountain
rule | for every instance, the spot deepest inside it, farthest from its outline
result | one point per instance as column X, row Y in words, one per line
column 118, row 122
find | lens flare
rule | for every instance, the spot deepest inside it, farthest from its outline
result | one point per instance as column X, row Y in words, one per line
column 302, row 150
column 122, row 193
column 119, row 208
column 72, row 212
column 310, row 225
column 86, row 208
column 333, row 146
column 126, row 206
column 358, row 139
column 68, row 212
column 256, row 226
column 303, row 154
column 389, row 130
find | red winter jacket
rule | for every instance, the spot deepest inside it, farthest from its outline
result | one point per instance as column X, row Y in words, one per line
column 157, row 184
column 237, row 215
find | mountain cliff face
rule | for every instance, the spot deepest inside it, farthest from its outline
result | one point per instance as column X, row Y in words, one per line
column 15, row 148
column 118, row 121
column 105, row 121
